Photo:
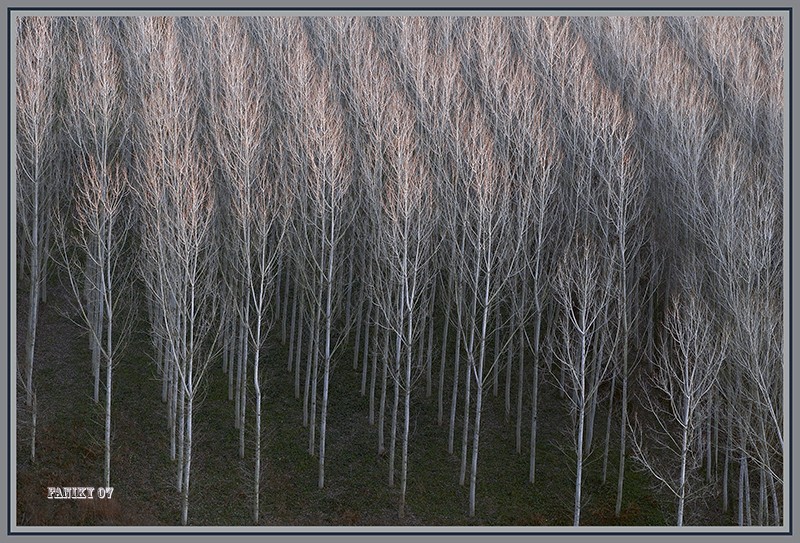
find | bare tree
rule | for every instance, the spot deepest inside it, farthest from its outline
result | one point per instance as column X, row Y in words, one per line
column 686, row 372
column 178, row 212
column 583, row 290
column 321, row 161
column 406, row 226
column 35, row 117
column 240, row 125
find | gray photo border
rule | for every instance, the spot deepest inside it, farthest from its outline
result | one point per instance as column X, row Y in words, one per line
column 386, row 7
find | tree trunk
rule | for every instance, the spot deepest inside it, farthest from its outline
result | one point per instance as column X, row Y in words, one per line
column 367, row 325
column 246, row 356
column 181, row 434
column 456, row 377
column 726, row 466
column 535, row 397
column 107, row 463
column 285, row 306
column 374, row 373
column 187, row 465
column 312, row 399
column 624, row 417
column 292, row 337
column 406, row 418
column 33, row 428
column 382, row 409
column 97, row 323
column 298, row 352
column 231, row 358
column 257, row 392
column 239, row 363
column 473, row 481
column 520, row 389
column 579, row 469
column 465, row 436
column 395, row 404
column 349, row 298
column 359, row 324
column 608, row 425
column 429, row 353
column 579, row 446
column 30, row 344
column 323, row 425
column 173, row 403
column 509, row 372
column 684, row 457
column 440, row 398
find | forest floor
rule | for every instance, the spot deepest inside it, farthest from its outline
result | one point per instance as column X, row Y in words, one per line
column 70, row 452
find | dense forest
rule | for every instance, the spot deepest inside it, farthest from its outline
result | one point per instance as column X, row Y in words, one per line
column 561, row 236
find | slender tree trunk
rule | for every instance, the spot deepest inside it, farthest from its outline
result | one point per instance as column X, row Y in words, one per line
column 33, row 319
column 327, row 372
column 708, row 443
column 257, row 391
column 520, row 389
column 367, row 326
column 187, row 465
column 716, row 441
column 359, row 324
column 429, row 357
column 726, row 467
column 762, row 497
column 465, row 436
column 579, row 467
column 173, row 402
column 456, row 377
column 33, row 428
column 395, row 405
column 406, row 417
column 278, row 285
column 497, row 353
column 349, row 298
column 226, row 344
column 97, row 323
column 479, row 394
column 608, row 425
column 744, row 491
column 181, row 435
column 684, row 457
column 509, row 372
column 45, row 259
column 312, row 416
column 429, row 353
column 535, row 396
column 579, row 446
column 777, row 520
column 243, row 401
column 309, row 368
column 284, row 307
column 373, row 373
column 109, row 367
column 292, row 337
column 242, row 339
column 298, row 352
column 382, row 410
column 231, row 358
column 624, row 420
column 440, row 398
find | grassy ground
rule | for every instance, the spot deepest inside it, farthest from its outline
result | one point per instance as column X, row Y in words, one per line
column 356, row 490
